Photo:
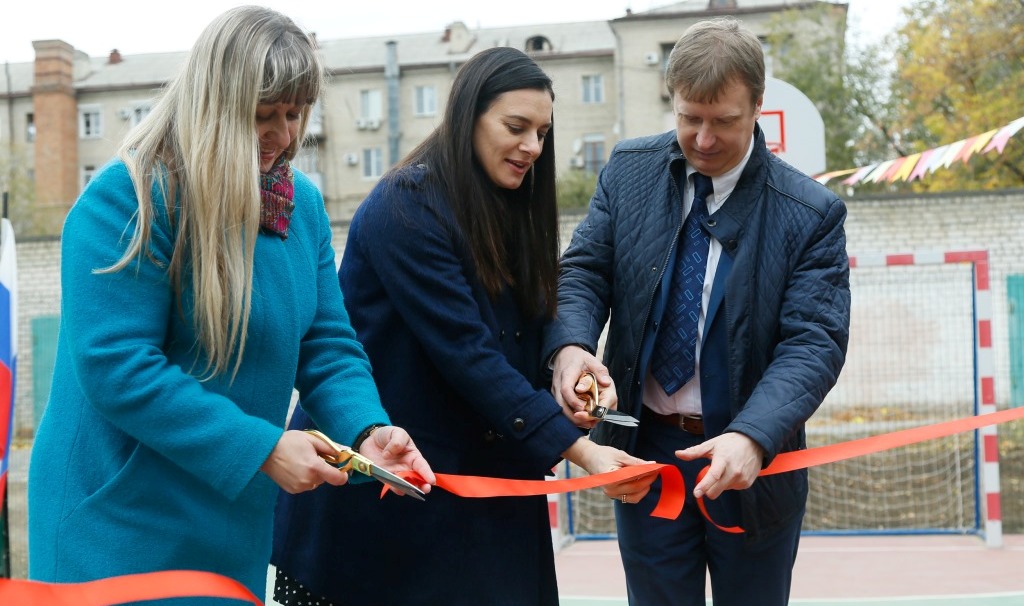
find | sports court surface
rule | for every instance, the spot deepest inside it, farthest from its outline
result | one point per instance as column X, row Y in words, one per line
column 889, row 570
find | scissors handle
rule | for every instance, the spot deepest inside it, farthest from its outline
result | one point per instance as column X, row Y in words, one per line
column 341, row 457
column 592, row 407
column 346, row 459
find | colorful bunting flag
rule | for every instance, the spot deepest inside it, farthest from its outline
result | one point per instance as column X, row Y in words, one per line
column 917, row 166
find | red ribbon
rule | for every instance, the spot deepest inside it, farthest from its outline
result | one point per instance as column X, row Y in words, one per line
column 183, row 584
column 673, row 492
column 129, row 588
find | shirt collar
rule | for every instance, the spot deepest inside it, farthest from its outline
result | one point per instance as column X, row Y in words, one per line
column 726, row 182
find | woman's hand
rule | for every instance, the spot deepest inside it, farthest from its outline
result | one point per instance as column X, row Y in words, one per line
column 595, row 458
column 295, row 463
column 393, row 449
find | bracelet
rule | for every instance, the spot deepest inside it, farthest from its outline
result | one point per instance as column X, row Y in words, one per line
column 366, row 433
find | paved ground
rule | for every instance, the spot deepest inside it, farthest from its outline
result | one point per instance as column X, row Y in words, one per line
column 849, row 570
column 868, row 570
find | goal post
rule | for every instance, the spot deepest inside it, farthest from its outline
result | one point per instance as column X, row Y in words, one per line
column 920, row 353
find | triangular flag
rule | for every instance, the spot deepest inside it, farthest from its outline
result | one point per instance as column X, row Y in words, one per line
column 857, row 176
column 905, row 169
column 999, row 141
column 937, row 156
column 952, row 152
column 876, row 175
column 826, row 177
column 922, row 165
column 893, row 169
column 974, row 145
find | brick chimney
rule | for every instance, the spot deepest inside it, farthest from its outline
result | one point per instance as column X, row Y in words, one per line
column 115, row 57
column 56, row 120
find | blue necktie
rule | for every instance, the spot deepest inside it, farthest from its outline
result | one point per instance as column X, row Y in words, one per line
column 675, row 350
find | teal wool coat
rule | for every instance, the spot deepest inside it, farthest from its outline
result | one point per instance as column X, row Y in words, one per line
column 140, row 466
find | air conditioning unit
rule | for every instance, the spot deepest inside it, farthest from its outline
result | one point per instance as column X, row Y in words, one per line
column 351, row 159
column 652, row 59
column 368, row 123
column 577, row 162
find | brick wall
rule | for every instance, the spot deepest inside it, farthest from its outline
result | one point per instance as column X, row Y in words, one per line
column 967, row 221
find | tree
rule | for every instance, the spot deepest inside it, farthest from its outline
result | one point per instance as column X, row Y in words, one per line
column 17, row 183
column 575, row 188
column 848, row 85
column 953, row 70
column 961, row 73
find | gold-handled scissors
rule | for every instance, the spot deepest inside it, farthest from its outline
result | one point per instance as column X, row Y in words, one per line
column 346, row 459
column 603, row 412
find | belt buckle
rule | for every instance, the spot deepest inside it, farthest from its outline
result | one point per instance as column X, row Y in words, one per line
column 692, row 424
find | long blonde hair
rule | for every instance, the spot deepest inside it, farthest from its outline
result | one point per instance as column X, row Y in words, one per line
column 199, row 147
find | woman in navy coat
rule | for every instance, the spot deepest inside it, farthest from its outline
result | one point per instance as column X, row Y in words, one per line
column 449, row 275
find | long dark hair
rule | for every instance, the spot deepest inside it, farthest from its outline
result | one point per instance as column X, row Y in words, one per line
column 512, row 235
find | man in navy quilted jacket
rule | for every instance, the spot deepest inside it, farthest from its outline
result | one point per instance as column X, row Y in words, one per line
column 724, row 273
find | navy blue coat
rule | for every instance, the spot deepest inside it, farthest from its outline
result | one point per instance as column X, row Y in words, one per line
column 778, row 319
column 462, row 373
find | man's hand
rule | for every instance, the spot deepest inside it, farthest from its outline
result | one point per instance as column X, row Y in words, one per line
column 569, row 382
column 735, row 462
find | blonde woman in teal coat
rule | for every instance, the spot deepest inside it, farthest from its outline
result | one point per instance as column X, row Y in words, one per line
column 198, row 289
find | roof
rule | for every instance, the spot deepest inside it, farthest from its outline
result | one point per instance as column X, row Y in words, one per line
column 341, row 55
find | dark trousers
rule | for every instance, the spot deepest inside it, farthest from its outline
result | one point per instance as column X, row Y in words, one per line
column 666, row 561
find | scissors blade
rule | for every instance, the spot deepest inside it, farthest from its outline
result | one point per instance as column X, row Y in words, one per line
column 620, row 418
column 346, row 459
column 399, row 484
column 614, row 416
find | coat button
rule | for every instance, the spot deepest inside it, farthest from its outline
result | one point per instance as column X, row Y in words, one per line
column 519, row 336
column 518, row 424
column 501, row 335
column 490, row 435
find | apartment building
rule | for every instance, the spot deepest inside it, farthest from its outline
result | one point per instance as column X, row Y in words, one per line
column 63, row 115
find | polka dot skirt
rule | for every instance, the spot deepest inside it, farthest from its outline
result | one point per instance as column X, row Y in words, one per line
column 289, row 592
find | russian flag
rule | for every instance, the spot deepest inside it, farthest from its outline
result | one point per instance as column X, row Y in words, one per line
column 8, row 344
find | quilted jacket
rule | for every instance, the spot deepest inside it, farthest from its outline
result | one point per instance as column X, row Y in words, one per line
column 786, row 301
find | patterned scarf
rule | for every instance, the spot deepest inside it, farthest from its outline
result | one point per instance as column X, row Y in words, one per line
column 277, row 189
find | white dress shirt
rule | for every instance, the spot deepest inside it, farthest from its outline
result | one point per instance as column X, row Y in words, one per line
column 687, row 400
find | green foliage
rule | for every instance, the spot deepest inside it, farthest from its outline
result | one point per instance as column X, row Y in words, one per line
column 846, row 84
column 575, row 188
column 957, row 71
column 16, row 181
column 957, row 81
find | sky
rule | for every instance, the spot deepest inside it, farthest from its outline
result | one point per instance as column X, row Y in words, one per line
column 98, row 26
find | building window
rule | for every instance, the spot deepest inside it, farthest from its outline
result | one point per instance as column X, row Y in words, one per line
column 30, row 127
column 593, row 89
column 90, row 122
column 88, row 171
column 135, row 112
column 593, row 153
column 370, row 105
column 373, row 163
column 426, row 100
column 537, row 44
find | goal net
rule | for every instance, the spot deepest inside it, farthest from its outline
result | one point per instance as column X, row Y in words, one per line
column 911, row 362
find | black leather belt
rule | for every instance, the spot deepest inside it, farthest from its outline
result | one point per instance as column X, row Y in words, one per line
column 693, row 424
